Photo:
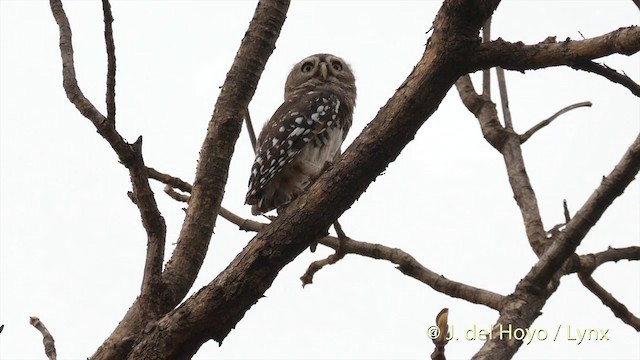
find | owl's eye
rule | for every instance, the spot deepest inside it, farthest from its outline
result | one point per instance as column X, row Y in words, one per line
column 336, row 65
column 306, row 67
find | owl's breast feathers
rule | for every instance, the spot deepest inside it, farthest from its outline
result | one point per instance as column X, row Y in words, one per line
column 304, row 133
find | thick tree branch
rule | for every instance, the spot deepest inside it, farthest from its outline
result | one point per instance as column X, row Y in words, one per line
column 532, row 292
column 609, row 73
column 521, row 57
column 524, row 137
column 618, row 308
column 47, row 338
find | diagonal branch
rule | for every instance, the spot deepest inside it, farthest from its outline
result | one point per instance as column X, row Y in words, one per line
column 111, row 63
column 618, row 308
column 524, row 137
column 609, row 73
column 521, row 57
column 525, row 304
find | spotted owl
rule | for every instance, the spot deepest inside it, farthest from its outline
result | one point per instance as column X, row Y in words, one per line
column 304, row 134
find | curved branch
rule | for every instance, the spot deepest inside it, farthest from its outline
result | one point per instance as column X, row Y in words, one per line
column 47, row 338
column 524, row 137
column 521, row 57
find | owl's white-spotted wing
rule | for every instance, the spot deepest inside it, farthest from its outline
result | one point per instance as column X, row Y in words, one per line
column 294, row 125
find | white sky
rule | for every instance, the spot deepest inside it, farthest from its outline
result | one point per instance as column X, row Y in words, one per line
column 72, row 245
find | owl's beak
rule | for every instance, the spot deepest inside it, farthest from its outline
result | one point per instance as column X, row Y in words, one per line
column 323, row 70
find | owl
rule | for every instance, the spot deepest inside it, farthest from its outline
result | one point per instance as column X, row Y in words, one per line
column 305, row 133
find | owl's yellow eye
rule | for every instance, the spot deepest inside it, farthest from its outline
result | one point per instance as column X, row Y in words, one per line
column 336, row 65
column 306, row 67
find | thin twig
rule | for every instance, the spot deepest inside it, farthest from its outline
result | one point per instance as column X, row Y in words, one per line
column 565, row 209
column 524, row 137
column 608, row 73
column 252, row 133
column 111, row 63
column 314, row 267
column 486, row 73
column 169, row 190
column 47, row 338
column 618, row 308
column 504, row 98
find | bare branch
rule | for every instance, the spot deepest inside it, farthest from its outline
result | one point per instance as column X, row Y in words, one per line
column 176, row 195
column 252, row 133
column 587, row 264
column 517, row 56
column 637, row 2
column 47, row 338
column 130, row 155
column 565, row 210
column 504, row 99
column 486, row 73
column 507, row 142
column 166, row 179
column 609, row 73
column 618, row 309
column 111, row 63
column 314, row 267
column 524, row 137
column 524, row 305
column 70, row 83
column 408, row 265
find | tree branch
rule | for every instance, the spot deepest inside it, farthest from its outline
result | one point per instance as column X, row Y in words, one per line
column 524, row 137
column 521, row 57
column 111, row 63
column 211, row 176
column 524, row 305
column 130, row 155
column 609, row 73
column 47, row 338
column 507, row 142
column 504, row 99
column 374, row 251
column 618, row 309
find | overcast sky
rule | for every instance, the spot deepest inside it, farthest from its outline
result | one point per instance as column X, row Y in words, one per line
column 72, row 246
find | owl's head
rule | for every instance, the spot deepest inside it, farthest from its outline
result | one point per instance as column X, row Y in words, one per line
column 318, row 70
